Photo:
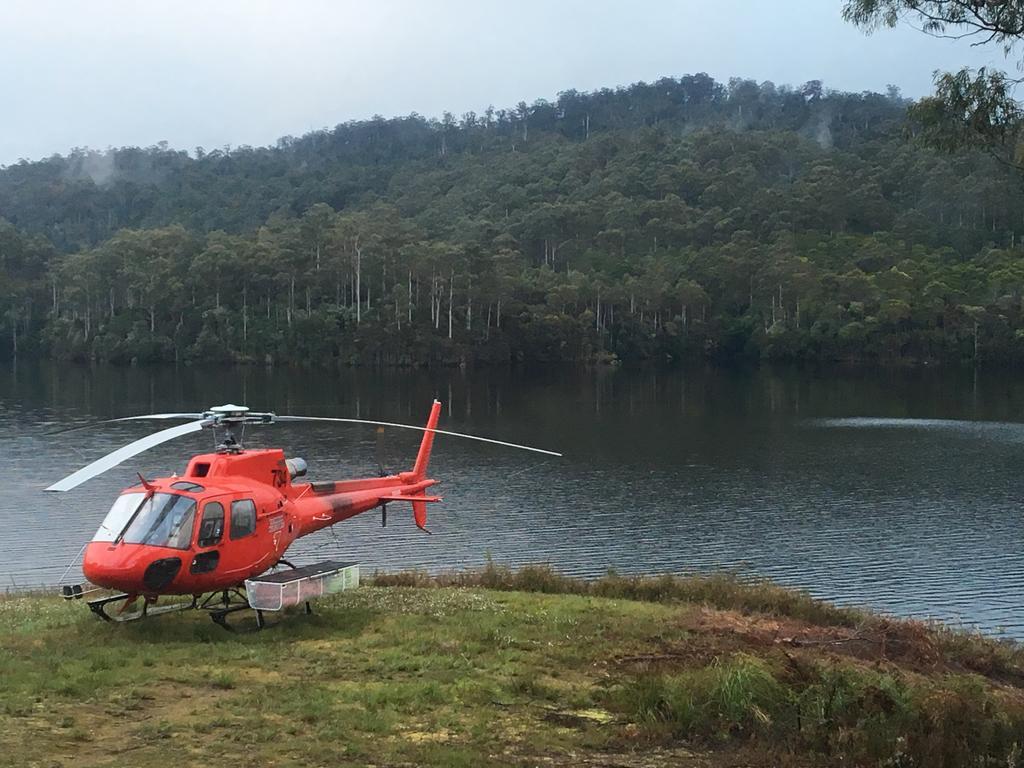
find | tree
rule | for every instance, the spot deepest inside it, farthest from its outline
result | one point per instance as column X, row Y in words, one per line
column 969, row 109
column 676, row 218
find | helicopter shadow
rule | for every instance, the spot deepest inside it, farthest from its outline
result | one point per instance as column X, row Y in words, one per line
column 289, row 626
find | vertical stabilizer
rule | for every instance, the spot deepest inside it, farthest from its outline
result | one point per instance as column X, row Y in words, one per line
column 423, row 457
column 419, row 514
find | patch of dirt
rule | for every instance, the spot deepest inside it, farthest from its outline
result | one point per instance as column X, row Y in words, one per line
column 578, row 718
column 711, row 633
column 421, row 737
column 906, row 645
column 646, row 758
column 102, row 733
column 257, row 674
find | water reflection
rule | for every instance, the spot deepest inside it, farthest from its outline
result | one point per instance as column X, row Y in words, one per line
column 809, row 477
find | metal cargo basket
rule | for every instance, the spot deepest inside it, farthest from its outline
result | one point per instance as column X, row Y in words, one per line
column 276, row 591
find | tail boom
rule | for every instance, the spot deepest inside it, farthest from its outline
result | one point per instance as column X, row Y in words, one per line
column 328, row 503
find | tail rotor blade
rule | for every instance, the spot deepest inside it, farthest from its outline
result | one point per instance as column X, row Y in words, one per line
column 380, row 452
column 114, row 458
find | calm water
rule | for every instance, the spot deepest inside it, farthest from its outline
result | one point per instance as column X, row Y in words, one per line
column 812, row 479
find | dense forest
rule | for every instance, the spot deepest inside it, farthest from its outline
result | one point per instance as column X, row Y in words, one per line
column 675, row 219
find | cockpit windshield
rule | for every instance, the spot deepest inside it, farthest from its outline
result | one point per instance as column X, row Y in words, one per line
column 164, row 520
column 118, row 516
column 161, row 520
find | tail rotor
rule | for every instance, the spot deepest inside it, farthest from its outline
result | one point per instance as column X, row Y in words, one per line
column 379, row 452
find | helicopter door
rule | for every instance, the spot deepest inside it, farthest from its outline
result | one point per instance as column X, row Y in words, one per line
column 211, row 531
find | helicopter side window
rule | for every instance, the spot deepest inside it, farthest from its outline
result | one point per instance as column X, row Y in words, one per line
column 243, row 518
column 211, row 529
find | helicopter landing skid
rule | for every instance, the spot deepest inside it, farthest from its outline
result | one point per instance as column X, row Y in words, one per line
column 99, row 607
column 221, row 605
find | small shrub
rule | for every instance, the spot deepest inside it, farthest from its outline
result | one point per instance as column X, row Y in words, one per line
column 746, row 697
column 223, row 681
column 531, row 687
column 958, row 720
column 740, row 697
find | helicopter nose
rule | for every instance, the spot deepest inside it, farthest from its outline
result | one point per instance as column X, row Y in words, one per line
column 100, row 565
column 128, row 568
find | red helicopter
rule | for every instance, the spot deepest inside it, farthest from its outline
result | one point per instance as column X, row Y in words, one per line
column 230, row 518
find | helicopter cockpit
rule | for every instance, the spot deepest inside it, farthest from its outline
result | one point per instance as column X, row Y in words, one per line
column 164, row 519
column 156, row 519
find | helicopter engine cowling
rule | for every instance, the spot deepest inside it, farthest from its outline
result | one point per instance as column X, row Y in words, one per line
column 296, row 467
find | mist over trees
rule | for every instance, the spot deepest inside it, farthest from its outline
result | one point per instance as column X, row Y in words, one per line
column 681, row 218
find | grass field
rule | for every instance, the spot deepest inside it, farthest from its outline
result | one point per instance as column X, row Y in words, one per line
column 503, row 668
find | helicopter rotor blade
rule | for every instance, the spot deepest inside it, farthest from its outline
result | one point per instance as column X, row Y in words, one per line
column 114, row 458
column 418, row 429
column 161, row 416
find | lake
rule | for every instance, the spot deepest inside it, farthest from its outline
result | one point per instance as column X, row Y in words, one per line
column 812, row 478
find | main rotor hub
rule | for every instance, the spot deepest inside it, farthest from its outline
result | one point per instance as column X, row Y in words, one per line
column 225, row 415
column 229, row 410
column 228, row 417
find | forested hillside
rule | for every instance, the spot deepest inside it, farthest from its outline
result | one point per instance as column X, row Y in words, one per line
column 660, row 221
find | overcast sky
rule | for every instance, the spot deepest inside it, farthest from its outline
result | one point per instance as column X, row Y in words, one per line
column 110, row 73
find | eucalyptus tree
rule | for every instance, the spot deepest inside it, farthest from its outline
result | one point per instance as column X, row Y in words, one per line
column 970, row 108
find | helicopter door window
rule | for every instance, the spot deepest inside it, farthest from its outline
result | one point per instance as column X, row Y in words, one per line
column 211, row 529
column 243, row 518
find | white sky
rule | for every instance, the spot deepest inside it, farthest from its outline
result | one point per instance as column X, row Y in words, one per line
column 111, row 73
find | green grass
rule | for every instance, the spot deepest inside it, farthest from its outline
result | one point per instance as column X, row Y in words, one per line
column 508, row 668
column 723, row 590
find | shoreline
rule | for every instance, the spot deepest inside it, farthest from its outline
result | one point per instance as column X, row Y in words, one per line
column 600, row 363
column 551, row 581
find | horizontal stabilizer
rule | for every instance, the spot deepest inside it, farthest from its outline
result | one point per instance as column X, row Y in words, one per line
column 419, row 506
